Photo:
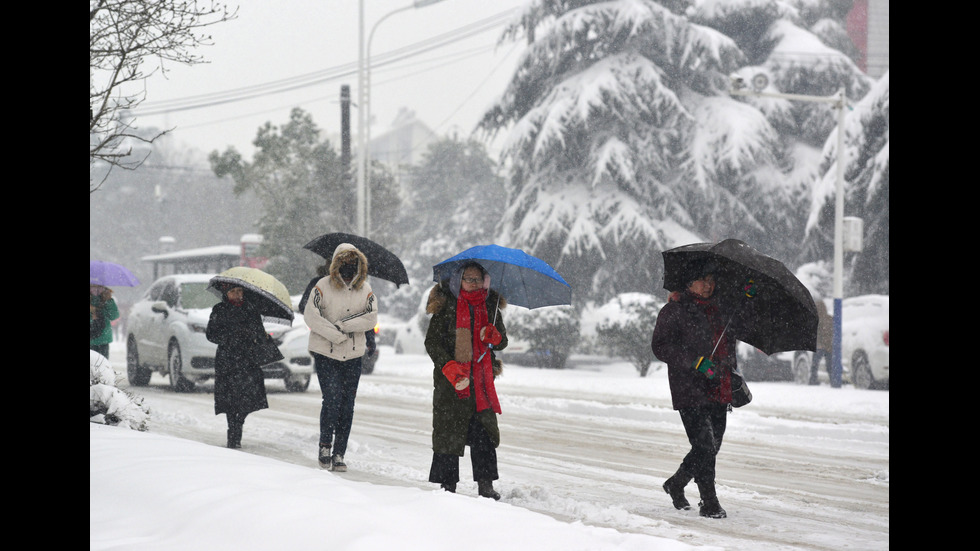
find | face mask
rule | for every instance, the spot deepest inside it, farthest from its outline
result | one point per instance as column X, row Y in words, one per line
column 348, row 271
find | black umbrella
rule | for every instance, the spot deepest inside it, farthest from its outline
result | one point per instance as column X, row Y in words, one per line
column 381, row 262
column 784, row 316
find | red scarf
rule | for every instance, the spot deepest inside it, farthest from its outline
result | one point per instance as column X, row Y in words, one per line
column 481, row 369
column 722, row 392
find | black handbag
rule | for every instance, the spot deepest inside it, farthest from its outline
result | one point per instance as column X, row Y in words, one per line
column 741, row 395
column 266, row 352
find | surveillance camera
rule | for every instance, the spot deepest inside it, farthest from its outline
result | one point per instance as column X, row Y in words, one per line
column 738, row 83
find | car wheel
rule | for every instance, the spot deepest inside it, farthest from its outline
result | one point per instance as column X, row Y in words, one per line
column 175, row 366
column 137, row 374
column 297, row 383
column 801, row 369
column 861, row 371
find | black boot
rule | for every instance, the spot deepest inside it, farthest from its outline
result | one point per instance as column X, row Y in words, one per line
column 486, row 489
column 449, row 487
column 711, row 508
column 235, row 436
column 674, row 486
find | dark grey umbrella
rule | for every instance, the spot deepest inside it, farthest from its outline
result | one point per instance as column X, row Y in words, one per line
column 783, row 317
column 382, row 263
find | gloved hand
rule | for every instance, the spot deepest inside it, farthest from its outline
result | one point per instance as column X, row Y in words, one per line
column 489, row 334
column 704, row 366
column 457, row 373
column 750, row 288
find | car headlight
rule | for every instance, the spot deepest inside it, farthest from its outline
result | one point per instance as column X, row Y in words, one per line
column 197, row 327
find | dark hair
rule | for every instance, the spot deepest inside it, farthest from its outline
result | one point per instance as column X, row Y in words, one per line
column 705, row 269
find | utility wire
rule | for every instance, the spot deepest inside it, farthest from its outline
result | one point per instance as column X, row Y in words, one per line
column 322, row 76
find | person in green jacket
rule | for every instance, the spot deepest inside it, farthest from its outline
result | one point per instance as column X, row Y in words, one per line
column 465, row 331
column 102, row 312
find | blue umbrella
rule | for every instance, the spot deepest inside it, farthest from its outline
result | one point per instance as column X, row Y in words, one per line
column 522, row 279
column 107, row 274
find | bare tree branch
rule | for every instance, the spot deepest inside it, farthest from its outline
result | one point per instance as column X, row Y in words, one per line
column 123, row 36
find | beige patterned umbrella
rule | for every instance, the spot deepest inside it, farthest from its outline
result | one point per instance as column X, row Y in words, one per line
column 269, row 293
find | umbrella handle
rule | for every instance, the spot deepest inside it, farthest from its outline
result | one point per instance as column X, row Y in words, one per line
column 723, row 331
column 489, row 348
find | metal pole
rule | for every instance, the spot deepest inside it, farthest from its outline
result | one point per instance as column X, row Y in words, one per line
column 839, row 102
column 364, row 114
column 361, row 141
column 837, row 371
column 366, row 103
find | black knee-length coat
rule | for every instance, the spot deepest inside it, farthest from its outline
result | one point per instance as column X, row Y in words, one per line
column 239, row 385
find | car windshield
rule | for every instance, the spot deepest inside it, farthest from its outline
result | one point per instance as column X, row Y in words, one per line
column 196, row 295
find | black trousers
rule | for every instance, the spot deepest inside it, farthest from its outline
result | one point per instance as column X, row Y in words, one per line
column 705, row 427
column 236, row 421
column 483, row 457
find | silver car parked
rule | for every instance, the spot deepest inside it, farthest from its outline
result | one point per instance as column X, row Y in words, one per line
column 166, row 334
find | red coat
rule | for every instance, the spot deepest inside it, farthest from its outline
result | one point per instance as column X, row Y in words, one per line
column 686, row 330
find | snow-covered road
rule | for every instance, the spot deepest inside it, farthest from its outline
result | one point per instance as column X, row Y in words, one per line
column 801, row 467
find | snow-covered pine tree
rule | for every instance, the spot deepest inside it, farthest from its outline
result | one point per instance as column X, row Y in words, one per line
column 866, row 165
column 597, row 131
column 624, row 140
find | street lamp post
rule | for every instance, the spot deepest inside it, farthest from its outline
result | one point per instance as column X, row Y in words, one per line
column 364, row 113
column 839, row 101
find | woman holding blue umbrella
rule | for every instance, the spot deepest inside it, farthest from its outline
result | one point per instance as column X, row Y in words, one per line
column 465, row 329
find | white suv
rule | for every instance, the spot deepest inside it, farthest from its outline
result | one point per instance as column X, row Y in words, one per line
column 864, row 339
column 166, row 333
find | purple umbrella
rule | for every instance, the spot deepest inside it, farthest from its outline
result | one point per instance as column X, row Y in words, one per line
column 108, row 274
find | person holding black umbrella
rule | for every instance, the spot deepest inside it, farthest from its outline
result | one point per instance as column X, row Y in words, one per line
column 694, row 338
column 244, row 346
column 341, row 307
column 321, row 271
column 465, row 330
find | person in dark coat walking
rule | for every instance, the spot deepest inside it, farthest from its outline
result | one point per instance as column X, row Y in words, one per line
column 236, row 327
column 825, row 341
column 102, row 310
column 686, row 332
column 465, row 320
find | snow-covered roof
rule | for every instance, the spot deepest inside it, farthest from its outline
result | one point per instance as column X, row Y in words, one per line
column 203, row 252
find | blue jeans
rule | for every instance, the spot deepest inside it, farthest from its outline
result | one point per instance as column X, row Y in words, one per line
column 338, row 384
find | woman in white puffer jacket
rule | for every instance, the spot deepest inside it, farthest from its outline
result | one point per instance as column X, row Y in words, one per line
column 340, row 309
